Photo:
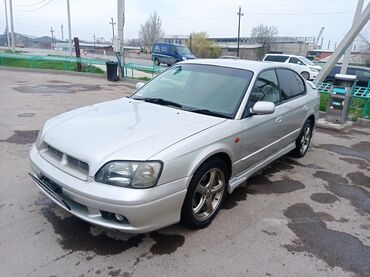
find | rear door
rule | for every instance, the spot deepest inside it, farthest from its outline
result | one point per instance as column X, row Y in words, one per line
column 293, row 108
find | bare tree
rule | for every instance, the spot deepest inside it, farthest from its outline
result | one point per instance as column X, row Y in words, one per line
column 151, row 31
column 264, row 35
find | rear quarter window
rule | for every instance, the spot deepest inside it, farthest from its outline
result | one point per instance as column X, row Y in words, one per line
column 291, row 84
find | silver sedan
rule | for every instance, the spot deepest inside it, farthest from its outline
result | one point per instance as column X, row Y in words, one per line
column 173, row 150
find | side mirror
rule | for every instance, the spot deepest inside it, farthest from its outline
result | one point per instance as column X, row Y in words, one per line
column 139, row 85
column 263, row 107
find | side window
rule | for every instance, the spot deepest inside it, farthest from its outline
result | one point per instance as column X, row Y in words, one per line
column 164, row 49
column 172, row 49
column 266, row 88
column 276, row 58
column 291, row 84
column 156, row 49
column 295, row 60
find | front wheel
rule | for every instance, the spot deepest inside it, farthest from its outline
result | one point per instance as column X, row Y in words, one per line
column 306, row 75
column 303, row 141
column 156, row 62
column 205, row 195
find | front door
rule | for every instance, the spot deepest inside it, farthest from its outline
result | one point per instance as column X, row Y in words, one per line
column 261, row 132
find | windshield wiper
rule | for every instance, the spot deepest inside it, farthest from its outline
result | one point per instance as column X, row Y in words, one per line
column 208, row 112
column 160, row 101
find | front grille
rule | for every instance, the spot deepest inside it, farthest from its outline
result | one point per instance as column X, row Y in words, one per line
column 65, row 162
column 55, row 152
column 77, row 163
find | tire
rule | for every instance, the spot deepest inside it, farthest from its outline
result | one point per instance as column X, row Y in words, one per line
column 204, row 197
column 156, row 62
column 303, row 141
column 169, row 64
column 306, row 75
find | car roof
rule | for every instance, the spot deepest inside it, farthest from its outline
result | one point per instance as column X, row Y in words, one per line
column 286, row 55
column 168, row 43
column 255, row 66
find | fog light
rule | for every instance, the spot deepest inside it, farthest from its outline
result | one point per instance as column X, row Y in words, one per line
column 119, row 217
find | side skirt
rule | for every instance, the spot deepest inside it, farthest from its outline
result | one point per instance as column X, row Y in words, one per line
column 238, row 180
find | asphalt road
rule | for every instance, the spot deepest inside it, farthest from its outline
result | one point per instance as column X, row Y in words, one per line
column 306, row 217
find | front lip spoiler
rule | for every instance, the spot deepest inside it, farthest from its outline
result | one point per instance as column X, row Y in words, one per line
column 49, row 191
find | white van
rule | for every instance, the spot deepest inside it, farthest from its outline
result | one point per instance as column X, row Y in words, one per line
column 301, row 64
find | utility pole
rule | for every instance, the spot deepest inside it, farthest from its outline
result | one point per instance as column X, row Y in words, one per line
column 120, row 25
column 12, row 24
column 78, row 53
column 347, row 55
column 69, row 28
column 61, row 29
column 240, row 14
column 7, row 25
column 112, row 23
column 94, row 41
column 52, row 37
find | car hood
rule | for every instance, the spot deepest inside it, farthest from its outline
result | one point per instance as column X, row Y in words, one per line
column 123, row 129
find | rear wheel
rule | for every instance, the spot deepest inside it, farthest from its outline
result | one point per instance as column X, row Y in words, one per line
column 156, row 62
column 305, row 75
column 303, row 141
column 205, row 195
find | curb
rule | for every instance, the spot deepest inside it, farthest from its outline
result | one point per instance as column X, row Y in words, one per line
column 361, row 122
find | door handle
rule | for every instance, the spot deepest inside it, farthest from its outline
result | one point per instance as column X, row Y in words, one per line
column 279, row 119
column 305, row 107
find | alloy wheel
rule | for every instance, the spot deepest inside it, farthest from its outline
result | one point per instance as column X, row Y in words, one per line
column 208, row 194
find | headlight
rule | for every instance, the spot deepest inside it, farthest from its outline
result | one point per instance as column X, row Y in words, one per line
column 38, row 141
column 184, row 59
column 130, row 174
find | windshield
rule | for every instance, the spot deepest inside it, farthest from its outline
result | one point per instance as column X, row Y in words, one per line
column 306, row 61
column 212, row 90
column 183, row 50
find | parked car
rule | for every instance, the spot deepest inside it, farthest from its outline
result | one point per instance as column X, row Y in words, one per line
column 301, row 64
column 169, row 53
column 173, row 150
column 362, row 74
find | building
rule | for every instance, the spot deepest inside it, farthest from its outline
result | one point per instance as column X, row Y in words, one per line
column 249, row 46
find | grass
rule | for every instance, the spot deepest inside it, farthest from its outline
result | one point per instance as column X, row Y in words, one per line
column 356, row 110
column 54, row 65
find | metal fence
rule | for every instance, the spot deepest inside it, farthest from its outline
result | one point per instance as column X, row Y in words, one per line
column 360, row 105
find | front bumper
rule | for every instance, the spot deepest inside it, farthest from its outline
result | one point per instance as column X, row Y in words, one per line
column 313, row 74
column 145, row 209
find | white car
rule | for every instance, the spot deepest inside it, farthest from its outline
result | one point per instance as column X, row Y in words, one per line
column 173, row 150
column 301, row 64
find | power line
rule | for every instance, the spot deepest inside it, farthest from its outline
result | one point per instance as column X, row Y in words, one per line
column 30, row 4
column 36, row 9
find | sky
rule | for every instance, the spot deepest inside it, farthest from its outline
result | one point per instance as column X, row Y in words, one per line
column 216, row 17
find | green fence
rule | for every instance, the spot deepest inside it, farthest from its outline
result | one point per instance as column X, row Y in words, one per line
column 65, row 63
column 360, row 103
column 69, row 63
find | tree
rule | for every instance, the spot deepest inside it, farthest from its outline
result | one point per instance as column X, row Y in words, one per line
column 151, row 31
column 264, row 35
column 202, row 47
